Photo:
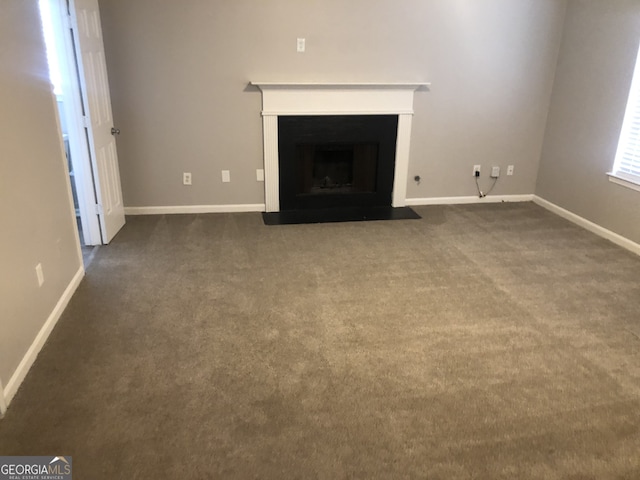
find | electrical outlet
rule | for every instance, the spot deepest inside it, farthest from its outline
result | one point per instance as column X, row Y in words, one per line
column 510, row 170
column 260, row 175
column 495, row 172
column 476, row 168
column 39, row 274
column 301, row 45
column 186, row 178
column 226, row 176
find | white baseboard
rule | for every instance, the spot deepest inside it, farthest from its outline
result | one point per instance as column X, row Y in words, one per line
column 588, row 225
column 23, row 368
column 249, row 207
column 260, row 207
column 414, row 202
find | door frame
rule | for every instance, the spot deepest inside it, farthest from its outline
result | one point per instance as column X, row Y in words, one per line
column 75, row 118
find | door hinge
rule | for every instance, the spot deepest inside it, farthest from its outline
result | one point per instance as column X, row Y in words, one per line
column 86, row 122
column 99, row 210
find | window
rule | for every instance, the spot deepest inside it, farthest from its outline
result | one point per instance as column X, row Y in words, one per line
column 626, row 169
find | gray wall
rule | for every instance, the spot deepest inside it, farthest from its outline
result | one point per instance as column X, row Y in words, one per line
column 179, row 72
column 35, row 210
column 594, row 72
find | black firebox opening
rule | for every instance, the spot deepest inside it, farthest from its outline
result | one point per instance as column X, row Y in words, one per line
column 329, row 169
column 336, row 161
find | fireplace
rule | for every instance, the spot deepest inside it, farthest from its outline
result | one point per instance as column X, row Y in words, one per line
column 282, row 101
column 336, row 161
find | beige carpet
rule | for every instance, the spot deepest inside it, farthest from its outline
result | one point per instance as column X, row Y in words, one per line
column 484, row 341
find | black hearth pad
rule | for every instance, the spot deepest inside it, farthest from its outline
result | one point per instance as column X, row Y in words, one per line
column 328, row 215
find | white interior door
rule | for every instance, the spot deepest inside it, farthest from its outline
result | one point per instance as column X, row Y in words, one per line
column 98, row 118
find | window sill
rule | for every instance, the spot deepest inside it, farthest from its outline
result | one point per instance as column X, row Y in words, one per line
column 625, row 181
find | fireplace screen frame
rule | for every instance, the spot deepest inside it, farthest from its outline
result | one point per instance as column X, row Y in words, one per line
column 326, row 131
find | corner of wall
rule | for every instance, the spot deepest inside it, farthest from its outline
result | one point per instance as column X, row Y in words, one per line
column 552, row 88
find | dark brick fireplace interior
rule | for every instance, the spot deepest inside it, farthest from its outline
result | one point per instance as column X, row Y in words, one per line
column 336, row 161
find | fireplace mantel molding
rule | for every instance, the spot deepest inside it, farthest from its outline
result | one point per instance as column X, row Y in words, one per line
column 310, row 98
column 337, row 98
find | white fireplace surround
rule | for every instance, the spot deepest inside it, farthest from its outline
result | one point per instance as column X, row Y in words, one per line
column 335, row 99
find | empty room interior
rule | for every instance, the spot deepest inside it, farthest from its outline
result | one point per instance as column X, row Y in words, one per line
column 171, row 305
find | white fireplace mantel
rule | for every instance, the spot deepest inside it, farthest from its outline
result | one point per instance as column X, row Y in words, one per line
column 335, row 99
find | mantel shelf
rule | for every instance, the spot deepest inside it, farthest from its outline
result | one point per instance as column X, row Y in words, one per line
column 338, row 85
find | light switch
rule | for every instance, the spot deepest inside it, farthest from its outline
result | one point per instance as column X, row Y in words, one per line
column 260, row 175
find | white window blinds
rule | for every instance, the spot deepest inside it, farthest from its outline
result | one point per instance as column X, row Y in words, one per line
column 627, row 162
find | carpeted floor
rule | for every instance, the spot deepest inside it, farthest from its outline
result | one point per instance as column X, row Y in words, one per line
column 483, row 341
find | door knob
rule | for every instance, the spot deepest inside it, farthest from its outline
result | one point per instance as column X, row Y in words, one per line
column 115, row 131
